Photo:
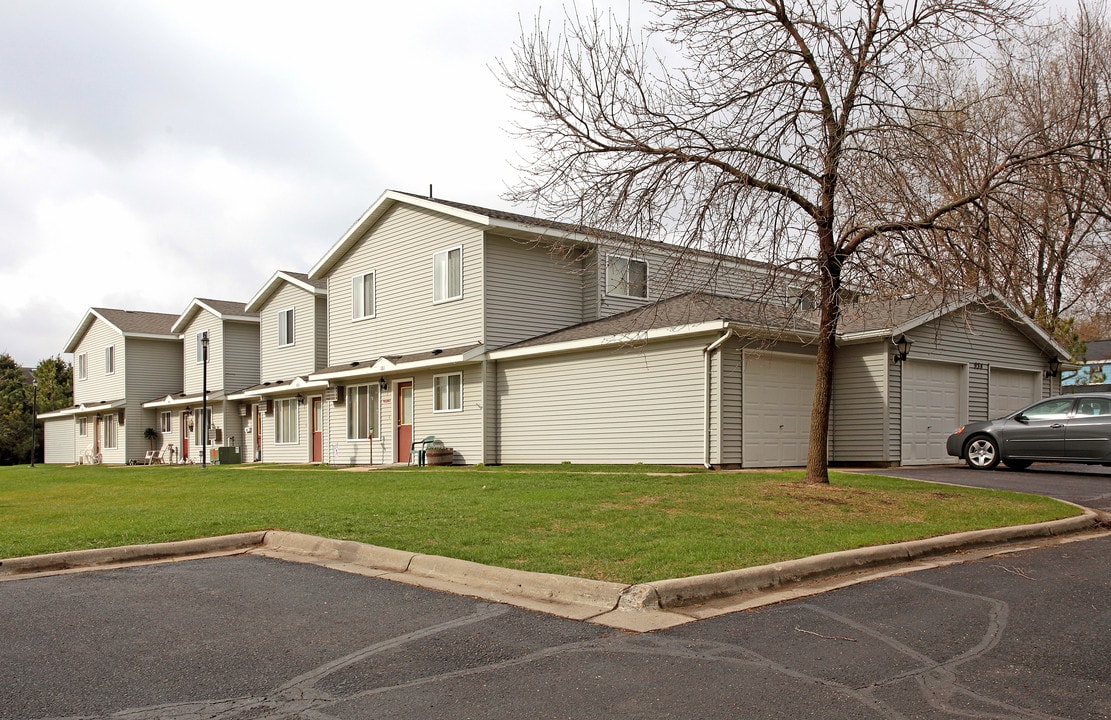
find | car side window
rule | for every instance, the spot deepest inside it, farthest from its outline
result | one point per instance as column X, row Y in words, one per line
column 1055, row 409
column 1094, row 407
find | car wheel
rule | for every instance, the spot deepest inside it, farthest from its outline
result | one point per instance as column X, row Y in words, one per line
column 981, row 453
column 1017, row 464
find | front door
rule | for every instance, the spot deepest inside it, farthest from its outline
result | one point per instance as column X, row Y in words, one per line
column 404, row 415
column 317, row 421
column 185, row 416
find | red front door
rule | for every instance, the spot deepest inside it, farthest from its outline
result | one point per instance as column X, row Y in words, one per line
column 404, row 413
column 258, row 433
column 185, row 435
column 317, row 420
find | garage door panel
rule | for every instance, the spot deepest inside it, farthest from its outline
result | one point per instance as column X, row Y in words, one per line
column 932, row 399
column 1011, row 390
column 778, row 395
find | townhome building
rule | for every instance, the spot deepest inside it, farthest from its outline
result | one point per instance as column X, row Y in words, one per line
column 514, row 339
column 285, row 410
column 120, row 359
column 219, row 355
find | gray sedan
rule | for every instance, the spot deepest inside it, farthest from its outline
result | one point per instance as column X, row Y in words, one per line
column 1067, row 428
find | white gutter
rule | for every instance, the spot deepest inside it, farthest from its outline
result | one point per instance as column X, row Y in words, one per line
column 706, row 352
column 676, row 331
column 382, row 366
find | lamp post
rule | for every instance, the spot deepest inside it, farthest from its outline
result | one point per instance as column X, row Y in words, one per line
column 34, row 416
column 204, row 400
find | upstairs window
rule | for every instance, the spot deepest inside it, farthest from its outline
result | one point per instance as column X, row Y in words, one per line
column 362, row 296
column 626, row 277
column 109, row 359
column 82, row 366
column 447, row 275
column 285, row 327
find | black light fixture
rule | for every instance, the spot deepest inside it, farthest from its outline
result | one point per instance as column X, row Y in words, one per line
column 1054, row 367
column 383, row 384
column 902, row 348
column 300, row 399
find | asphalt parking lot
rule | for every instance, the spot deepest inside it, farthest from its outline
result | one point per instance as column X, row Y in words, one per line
column 1018, row 635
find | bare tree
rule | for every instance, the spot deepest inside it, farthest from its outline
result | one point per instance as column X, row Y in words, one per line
column 1042, row 239
column 773, row 129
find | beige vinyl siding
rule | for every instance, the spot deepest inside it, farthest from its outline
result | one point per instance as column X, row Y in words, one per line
column 194, row 371
column 97, row 386
column 731, row 398
column 300, row 358
column 715, row 408
column 59, row 441
column 460, row 430
column 320, row 332
column 530, row 290
column 153, row 368
column 623, row 404
column 399, row 249
column 338, row 450
column 591, row 287
column 859, row 396
column 241, row 355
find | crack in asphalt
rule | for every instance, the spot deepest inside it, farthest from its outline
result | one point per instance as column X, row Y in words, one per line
column 935, row 678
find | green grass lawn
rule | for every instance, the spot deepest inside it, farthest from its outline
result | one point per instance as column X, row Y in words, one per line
column 620, row 523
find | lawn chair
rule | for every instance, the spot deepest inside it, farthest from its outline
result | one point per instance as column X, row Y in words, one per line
column 418, row 448
column 151, row 457
column 91, row 456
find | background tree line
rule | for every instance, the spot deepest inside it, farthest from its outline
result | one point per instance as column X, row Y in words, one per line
column 54, row 377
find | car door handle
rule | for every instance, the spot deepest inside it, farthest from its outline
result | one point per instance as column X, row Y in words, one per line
column 1057, row 425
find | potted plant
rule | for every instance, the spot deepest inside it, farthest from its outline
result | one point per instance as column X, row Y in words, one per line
column 151, row 435
column 437, row 454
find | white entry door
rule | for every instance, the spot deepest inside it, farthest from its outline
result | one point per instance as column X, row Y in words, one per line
column 932, row 400
column 777, row 397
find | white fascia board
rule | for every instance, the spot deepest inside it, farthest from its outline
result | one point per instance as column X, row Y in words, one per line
column 191, row 400
column 65, row 412
column 90, row 316
column 283, row 389
column 610, row 340
column 383, row 366
column 375, row 211
column 84, row 409
column 184, row 318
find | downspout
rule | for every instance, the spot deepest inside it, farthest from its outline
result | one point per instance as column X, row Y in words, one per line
column 706, row 399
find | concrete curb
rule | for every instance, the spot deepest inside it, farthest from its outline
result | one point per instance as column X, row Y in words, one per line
column 87, row 559
column 679, row 592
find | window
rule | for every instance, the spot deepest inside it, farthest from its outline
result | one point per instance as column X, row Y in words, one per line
column 286, row 421
column 111, row 430
column 447, row 393
column 1093, row 407
column 447, row 275
column 200, row 346
column 165, row 424
column 82, row 366
column 1055, row 409
column 285, row 327
column 82, row 426
column 109, row 359
column 362, row 296
column 362, row 412
column 626, row 277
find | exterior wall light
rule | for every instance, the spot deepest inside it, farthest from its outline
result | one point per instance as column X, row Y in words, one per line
column 1054, row 367
column 902, row 348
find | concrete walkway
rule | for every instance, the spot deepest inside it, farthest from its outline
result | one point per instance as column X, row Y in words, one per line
column 637, row 608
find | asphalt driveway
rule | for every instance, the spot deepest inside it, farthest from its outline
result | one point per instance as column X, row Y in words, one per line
column 1085, row 485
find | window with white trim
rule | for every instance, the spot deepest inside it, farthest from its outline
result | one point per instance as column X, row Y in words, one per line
column 285, row 327
column 82, row 366
column 165, row 421
column 286, row 420
column 362, row 296
column 83, row 426
column 111, row 430
column 447, row 393
column 110, row 360
column 626, row 277
column 447, row 275
column 362, row 412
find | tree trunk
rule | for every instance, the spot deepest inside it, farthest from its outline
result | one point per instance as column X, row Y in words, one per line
column 817, row 460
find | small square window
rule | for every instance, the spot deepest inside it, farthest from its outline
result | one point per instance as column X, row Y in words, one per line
column 447, row 393
column 626, row 277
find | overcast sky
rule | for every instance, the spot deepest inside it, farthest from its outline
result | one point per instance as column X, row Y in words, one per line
column 156, row 151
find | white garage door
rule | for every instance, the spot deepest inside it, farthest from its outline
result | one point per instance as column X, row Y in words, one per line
column 778, row 395
column 932, row 394
column 1011, row 390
